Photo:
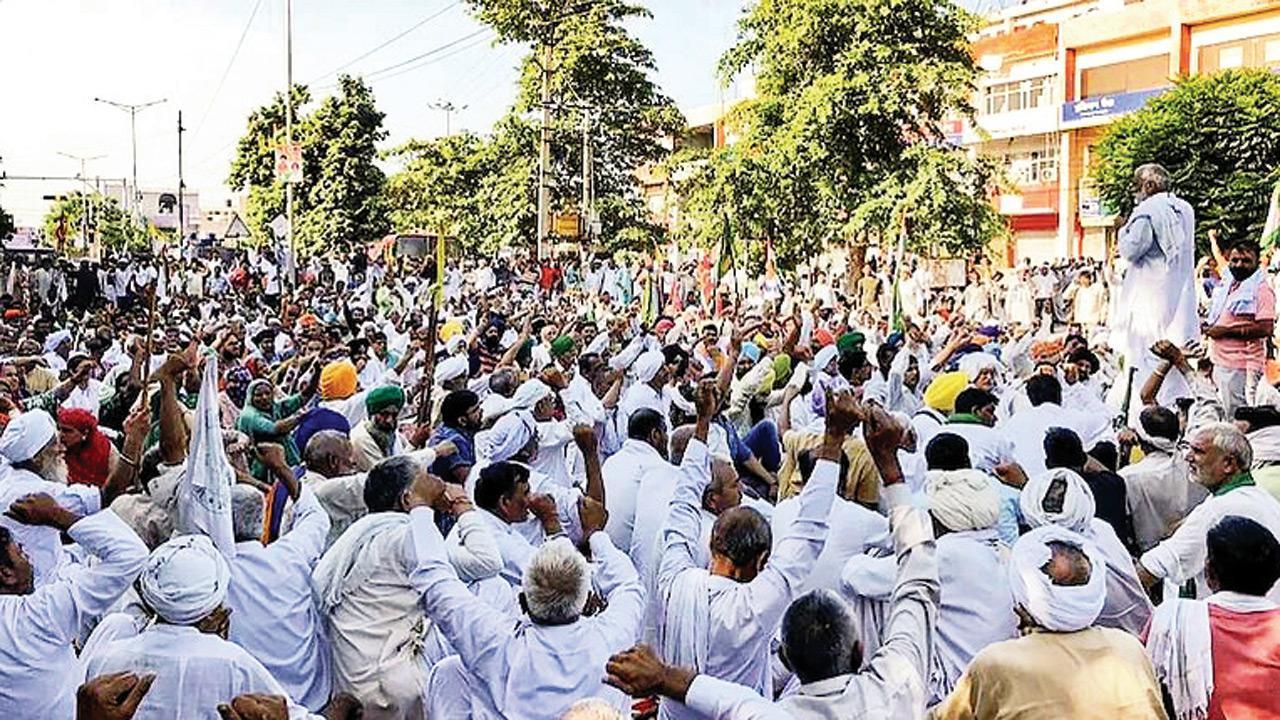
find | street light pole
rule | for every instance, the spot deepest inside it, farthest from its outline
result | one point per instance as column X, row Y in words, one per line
column 133, row 111
column 288, row 117
column 88, row 207
column 449, row 109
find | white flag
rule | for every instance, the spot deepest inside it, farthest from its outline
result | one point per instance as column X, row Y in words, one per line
column 204, row 494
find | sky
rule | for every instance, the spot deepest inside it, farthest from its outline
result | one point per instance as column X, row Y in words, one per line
column 217, row 60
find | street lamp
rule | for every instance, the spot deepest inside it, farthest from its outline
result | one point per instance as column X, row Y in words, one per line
column 449, row 109
column 88, row 207
column 133, row 111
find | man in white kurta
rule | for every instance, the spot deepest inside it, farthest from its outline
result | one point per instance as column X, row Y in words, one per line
column 185, row 582
column 1157, row 297
column 38, row 676
column 642, row 454
column 540, row 666
column 271, row 599
column 376, row 626
column 726, row 626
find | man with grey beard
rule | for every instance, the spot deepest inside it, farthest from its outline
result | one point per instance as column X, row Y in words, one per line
column 32, row 460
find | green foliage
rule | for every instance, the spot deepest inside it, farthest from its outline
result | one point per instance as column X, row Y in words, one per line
column 7, row 226
column 340, row 198
column 846, row 92
column 107, row 220
column 1219, row 137
column 464, row 183
column 599, row 68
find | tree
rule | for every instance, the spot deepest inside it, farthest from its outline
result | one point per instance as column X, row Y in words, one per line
column 108, row 221
column 340, row 197
column 1219, row 137
column 848, row 92
column 7, row 226
column 598, row 69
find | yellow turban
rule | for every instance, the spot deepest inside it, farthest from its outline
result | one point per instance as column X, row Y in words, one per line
column 449, row 329
column 338, row 380
column 942, row 392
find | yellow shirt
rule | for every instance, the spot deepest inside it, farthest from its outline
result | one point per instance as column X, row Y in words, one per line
column 1093, row 674
column 861, row 481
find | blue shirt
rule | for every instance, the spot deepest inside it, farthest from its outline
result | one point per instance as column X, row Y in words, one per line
column 465, row 457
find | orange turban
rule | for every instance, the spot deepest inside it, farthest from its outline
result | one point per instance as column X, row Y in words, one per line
column 338, row 380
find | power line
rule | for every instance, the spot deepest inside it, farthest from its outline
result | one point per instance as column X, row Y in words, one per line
column 230, row 63
column 427, row 54
column 411, row 28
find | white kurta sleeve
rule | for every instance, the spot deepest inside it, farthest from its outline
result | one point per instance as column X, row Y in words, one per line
column 683, row 531
column 723, row 700
column 475, row 555
column 473, row 628
column 310, row 528
column 624, row 594
column 1181, row 556
column 1136, row 238
column 772, row 591
column 60, row 608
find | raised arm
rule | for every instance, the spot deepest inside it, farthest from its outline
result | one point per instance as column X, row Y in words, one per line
column 683, row 531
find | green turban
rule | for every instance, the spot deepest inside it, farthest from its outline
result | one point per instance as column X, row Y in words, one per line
column 561, row 346
column 384, row 398
column 781, row 369
column 850, row 341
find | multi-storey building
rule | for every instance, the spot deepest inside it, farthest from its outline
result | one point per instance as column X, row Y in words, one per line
column 1056, row 73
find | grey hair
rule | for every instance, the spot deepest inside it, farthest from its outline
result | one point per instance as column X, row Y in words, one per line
column 556, row 582
column 1154, row 174
column 592, row 709
column 247, row 509
column 322, row 446
column 1228, row 439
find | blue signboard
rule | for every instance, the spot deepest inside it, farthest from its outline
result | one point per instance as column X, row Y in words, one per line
column 1107, row 105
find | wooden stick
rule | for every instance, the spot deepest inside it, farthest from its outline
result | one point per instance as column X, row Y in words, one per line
column 151, row 332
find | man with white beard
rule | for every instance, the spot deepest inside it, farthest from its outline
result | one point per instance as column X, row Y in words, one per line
column 1157, row 297
column 32, row 460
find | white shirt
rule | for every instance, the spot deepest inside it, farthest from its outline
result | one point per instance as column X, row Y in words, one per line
column 43, row 545
column 1025, row 430
column 274, row 614
column 87, row 398
column 743, row 616
column 529, row 671
column 38, row 675
column 623, row 472
column 195, row 672
column 976, row 608
column 1181, row 557
column 853, row 530
column 891, row 683
column 342, row 499
column 988, row 447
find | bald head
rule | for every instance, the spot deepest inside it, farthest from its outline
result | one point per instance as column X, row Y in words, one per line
column 328, row 453
column 680, row 441
column 1068, row 566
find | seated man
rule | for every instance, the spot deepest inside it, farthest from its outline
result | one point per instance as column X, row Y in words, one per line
column 1217, row 656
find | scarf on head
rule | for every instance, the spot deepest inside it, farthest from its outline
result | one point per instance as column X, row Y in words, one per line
column 1078, row 505
column 88, row 463
column 185, row 579
column 1180, row 645
column 1058, row 608
column 962, row 499
column 1242, row 299
column 1162, row 444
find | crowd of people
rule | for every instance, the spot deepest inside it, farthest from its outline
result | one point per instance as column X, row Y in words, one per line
column 362, row 486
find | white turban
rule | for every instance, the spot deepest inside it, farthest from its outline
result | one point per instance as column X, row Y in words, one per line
column 507, row 436
column 648, row 365
column 185, row 579
column 55, row 339
column 974, row 363
column 824, row 358
column 1077, row 502
column 530, row 393
column 1060, row 608
column 962, row 499
column 452, row 368
column 597, row 345
column 26, row 435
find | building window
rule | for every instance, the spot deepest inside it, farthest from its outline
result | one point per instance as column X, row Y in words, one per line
column 1018, row 95
column 1261, row 51
column 1033, row 167
column 1125, row 77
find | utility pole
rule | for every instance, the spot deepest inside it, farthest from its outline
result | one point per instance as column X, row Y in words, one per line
column 288, row 115
column 182, row 188
column 88, row 205
column 588, row 177
column 133, row 111
column 449, row 109
column 544, row 148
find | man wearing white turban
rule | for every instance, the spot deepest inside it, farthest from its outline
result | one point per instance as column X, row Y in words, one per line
column 977, row 605
column 1062, row 666
column 32, row 461
column 184, row 582
column 38, row 626
column 1061, row 497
